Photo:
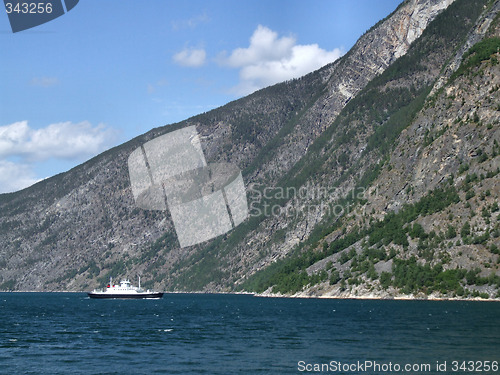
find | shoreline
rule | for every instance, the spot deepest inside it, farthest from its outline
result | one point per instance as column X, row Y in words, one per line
column 371, row 297
column 297, row 296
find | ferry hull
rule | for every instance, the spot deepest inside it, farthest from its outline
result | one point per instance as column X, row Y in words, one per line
column 155, row 295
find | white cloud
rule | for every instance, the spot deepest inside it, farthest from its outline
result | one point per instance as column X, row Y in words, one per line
column 190, row 57
column 15, row 176
column 264, row 46
column 24, row 150
column 270, row 59
column 64, row 140
column 44, row 81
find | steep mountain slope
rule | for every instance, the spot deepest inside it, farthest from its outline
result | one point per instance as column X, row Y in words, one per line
column 329, row 132
column 290, row 216
column 428, row 223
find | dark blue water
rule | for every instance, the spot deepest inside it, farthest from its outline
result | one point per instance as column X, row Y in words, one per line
column 67, row 333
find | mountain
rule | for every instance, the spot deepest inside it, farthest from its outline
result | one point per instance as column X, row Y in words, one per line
column 376, row 175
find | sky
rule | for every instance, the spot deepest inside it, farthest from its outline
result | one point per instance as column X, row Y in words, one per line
column 110, row 70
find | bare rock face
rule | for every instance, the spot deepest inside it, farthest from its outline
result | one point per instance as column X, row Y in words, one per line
column 318, row 133
column 420, row 14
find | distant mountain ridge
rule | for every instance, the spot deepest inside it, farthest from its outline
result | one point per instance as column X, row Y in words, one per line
column 388, row 135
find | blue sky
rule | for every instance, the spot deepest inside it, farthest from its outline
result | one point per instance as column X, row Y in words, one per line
column 110, row 70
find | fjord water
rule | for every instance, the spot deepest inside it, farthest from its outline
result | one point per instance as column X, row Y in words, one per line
column 68, row 333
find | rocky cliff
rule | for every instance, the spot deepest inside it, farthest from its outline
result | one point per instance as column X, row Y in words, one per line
column 380, row 130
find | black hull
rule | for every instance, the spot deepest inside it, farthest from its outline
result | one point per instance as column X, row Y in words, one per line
column 126, row 296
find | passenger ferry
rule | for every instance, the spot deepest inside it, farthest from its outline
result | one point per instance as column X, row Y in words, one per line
column 124, row 290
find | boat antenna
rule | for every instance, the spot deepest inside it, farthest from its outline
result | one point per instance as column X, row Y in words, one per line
column 139, row 282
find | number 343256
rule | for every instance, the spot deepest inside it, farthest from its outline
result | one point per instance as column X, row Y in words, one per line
column 28, row 8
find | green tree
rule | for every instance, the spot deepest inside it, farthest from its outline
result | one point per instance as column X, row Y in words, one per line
column 465, row 231
column 451, row 232
column 334, row 277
